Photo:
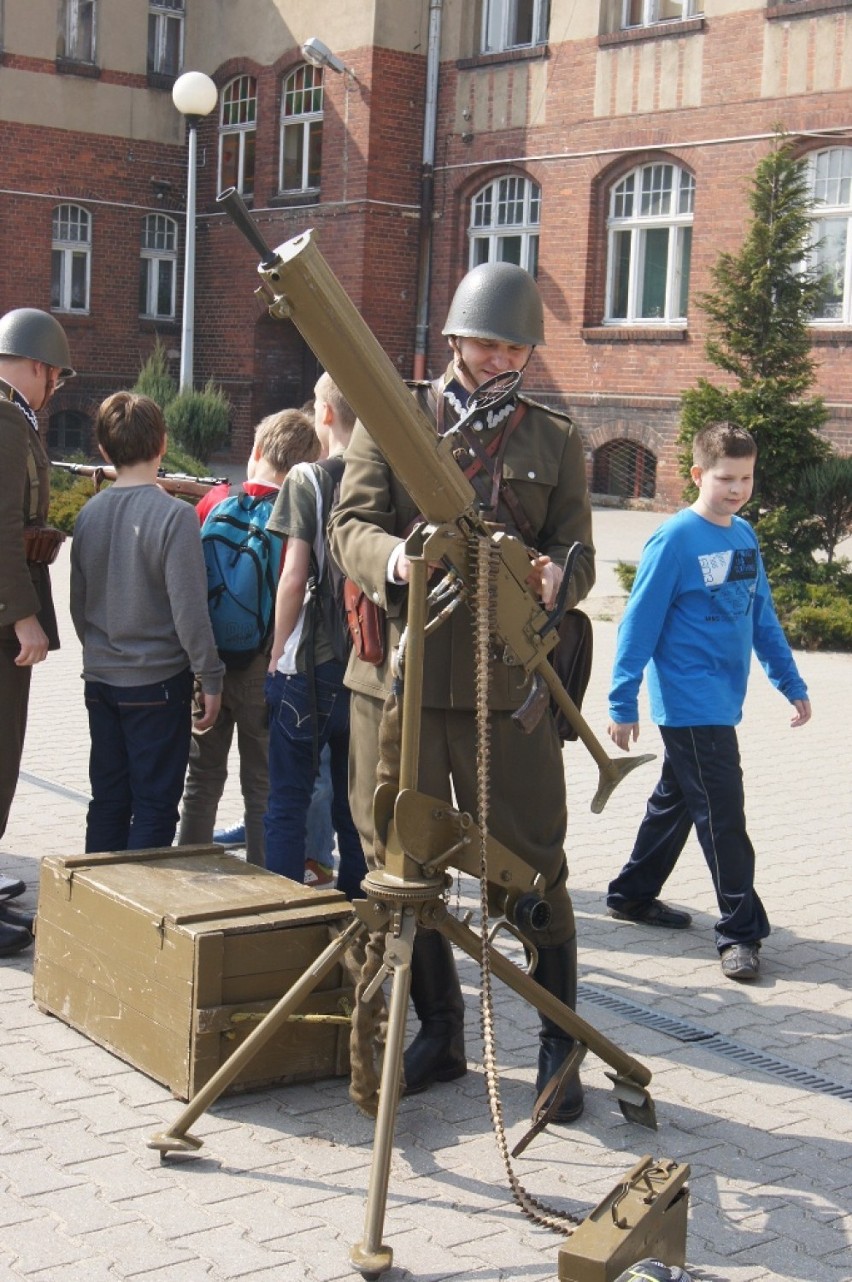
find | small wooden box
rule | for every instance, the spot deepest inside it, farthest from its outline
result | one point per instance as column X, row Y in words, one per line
column 169, row 957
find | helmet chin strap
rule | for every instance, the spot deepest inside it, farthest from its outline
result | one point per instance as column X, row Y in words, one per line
column 463, row 369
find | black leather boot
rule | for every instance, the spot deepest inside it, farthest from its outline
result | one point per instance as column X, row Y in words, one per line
column 13, row 938
column 557, row 972
column 437, row 1052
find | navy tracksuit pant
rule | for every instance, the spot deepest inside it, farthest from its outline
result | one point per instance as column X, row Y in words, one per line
column 701, row 784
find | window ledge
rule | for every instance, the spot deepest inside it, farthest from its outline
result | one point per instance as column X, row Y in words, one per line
column 81, row 320
column 831, row 335
column 524, row 54
column 677, row 27
column 634, row 333
column 796, row 7
column 294, row 199
column 72, row 67
column 162, row 324
column 161, row 80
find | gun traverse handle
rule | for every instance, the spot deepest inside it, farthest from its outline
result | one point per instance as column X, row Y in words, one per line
column 235, row 207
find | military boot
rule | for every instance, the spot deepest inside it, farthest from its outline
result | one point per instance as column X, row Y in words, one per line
column 437, row 1052
column 557, row 972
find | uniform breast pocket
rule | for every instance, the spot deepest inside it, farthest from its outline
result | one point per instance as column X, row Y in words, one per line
column 533, row 481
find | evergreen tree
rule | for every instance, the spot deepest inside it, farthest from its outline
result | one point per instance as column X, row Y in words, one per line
column 154, row 378
column 759, row 309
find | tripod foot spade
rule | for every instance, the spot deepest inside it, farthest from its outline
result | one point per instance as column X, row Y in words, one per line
column 634, row 1101
column 371, row 1264
column 611, row 776
column 165, row 1142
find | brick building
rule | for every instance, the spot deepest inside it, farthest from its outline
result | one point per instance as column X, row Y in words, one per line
column 607, row 145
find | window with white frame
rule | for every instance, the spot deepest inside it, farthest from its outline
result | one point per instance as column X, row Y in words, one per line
column 237, row 131
column 165, row 36
column 622, row 15
column 512, row 24
column 71, row 259
column 158, row 267
column 830, row 179
column 301, row 130
column 649, row 245
column 505, row 218
column 80, row 19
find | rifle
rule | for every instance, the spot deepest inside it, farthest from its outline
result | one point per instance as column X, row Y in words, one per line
column 172, row 482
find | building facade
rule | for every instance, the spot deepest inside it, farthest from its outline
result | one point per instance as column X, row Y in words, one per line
column 607, row 146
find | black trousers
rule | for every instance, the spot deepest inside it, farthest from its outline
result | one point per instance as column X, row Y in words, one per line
column 701, row 784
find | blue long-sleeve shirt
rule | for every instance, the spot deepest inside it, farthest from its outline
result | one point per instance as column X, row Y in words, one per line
column 699, row 605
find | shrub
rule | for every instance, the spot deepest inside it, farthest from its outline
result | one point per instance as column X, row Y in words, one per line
column 154, row 378
column 199, row 420
column 818, row 616
column 625, row 572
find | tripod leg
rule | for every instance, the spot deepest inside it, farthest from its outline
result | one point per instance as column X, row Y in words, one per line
column 177, row 1137
column 630, row 1077
column 371, row 1256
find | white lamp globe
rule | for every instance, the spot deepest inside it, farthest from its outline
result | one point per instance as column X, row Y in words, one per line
column 194, row 94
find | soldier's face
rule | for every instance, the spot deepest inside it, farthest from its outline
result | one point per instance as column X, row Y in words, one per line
column 477, row 359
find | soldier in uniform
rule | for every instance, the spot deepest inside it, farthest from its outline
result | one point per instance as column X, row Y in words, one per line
column 34, row 360
column 494, row 323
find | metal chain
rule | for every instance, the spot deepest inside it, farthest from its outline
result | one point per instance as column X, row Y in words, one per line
column 486, row 558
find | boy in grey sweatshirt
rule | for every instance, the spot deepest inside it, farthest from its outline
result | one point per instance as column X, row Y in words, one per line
column 139, row 607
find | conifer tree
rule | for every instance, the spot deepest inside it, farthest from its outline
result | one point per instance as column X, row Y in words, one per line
column 759, row 310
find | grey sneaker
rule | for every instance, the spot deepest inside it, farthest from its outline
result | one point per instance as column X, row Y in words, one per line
column 741, row 961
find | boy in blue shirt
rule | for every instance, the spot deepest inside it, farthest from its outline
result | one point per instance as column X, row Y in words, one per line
column 699, row 606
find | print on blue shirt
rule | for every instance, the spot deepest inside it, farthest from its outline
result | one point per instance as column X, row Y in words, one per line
column 731, row 577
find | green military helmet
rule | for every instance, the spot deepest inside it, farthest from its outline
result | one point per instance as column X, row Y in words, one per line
column 498, row 301
column 37, row 335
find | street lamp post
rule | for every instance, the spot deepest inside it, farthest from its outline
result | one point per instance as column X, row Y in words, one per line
column 194, row 95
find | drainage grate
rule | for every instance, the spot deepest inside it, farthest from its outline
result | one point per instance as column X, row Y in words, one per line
column 683, row 1031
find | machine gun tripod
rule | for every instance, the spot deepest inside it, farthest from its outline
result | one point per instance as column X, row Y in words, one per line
column 421, row 835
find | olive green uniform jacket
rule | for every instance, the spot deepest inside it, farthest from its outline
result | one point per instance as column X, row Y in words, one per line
column 545, row 466
column 24, row 589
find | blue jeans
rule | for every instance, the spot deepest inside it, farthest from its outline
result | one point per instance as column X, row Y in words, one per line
column 292, row 727
column 319, row 839
column 137, row 763
column 701, row 784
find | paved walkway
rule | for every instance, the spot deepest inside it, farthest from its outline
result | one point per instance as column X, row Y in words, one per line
column 753, row 1085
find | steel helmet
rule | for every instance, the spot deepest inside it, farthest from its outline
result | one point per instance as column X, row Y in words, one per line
column 498, row 301
column 31, row 333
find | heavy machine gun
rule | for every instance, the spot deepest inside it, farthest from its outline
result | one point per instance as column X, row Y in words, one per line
column 421, row 836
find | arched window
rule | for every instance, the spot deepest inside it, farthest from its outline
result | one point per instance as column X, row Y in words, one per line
column 237, row 131
column 158, row 267
column 71, row 259
column 649, row 245
column 830, row 178
column 301, row 130
column 624, row 470
column 504, row 223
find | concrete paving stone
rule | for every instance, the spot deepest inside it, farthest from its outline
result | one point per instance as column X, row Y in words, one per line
column 43, row 1244
column 12, row 1209
column 31, row 1170
column 134, row 1248
column 62, row 1086
column 106, row 1114
column 209, row 1181
column 191, row 1271
column 81, row 1209
column 19, row 1057
column 173, row 1217
column 235, row 1256
column 121, row 1175
column 30, row 1110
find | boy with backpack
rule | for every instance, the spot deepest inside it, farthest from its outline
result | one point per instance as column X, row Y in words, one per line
column 243, row 560
column 307, row 701
column 138, row 606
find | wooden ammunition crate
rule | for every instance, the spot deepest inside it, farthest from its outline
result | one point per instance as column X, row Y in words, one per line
column 169, row 957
